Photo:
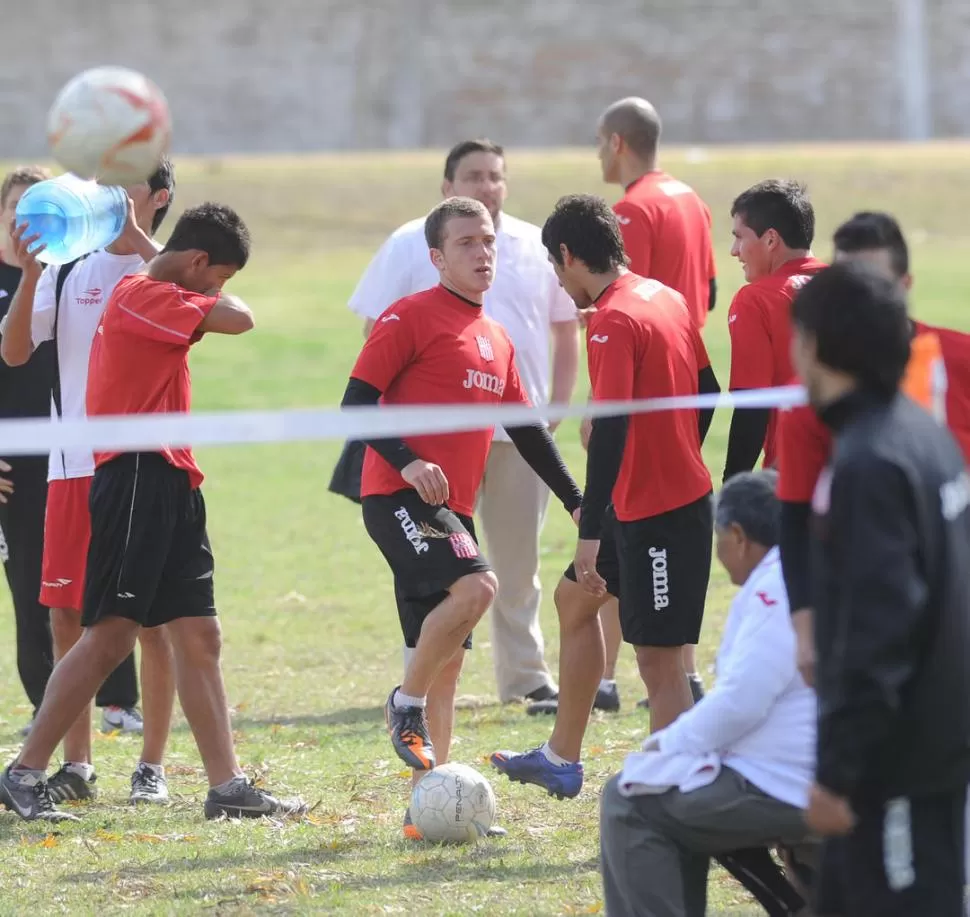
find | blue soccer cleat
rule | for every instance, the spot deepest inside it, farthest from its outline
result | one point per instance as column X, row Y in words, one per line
column 564, row 781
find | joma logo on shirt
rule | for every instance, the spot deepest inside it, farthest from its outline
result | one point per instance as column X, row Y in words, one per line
column 661, row 584
column 487, row 382
column 411, row 530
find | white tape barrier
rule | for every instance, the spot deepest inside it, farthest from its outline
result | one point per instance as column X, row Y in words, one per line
column 150, row 431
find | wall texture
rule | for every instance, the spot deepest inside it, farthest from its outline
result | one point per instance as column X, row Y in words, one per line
column 293, row 75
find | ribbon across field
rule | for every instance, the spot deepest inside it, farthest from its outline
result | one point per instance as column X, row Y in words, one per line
column 145, row 432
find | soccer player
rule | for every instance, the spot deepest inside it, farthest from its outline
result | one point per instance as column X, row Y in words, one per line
column 666, row 230
column 804, row 442
column 774, row 225
column 526, row 300
column 651, row 546
column 150, row 562
column 69, row 316
column 418, row 494
column 25, row 392
column 891, row 549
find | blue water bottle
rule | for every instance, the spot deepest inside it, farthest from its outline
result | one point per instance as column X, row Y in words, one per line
column 73, row 217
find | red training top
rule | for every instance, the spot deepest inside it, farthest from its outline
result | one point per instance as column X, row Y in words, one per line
column 666, row 230
column 436, row 347
column 759, row 322
column 140, row 356
column 642, row 343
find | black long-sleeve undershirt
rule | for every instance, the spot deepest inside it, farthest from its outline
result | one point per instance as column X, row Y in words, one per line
column 607, row 440
column 707, row 384
column 746, row 439
column 393, row 449
column 539, row 450
column 794, row 545
column 712, row 297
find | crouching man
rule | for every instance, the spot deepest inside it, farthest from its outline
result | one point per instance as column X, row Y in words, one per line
column 731, row 776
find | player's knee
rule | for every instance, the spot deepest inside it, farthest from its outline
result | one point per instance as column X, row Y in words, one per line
column 660, row 665
column 574, row 605
column 477, row 590
column 110, row 640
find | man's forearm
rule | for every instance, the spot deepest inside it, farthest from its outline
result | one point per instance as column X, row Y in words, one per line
column 607, row 442
column 536, row 446
column 392, row 449
column 16, row 345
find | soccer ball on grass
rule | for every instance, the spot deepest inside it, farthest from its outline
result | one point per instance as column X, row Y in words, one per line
column 109, row 123
column 453, row 804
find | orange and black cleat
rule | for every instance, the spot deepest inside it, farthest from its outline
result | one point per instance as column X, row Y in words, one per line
column 408, row 727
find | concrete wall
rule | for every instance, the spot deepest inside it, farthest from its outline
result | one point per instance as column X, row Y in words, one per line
column 291, row 75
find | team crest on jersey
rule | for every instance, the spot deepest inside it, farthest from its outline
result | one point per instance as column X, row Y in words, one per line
column 799, row 280
column 484, row 348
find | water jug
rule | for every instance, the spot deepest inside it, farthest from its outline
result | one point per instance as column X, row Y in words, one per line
column 73, row 216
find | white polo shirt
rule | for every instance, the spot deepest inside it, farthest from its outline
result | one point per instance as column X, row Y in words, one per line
column 86, row 292
column 525, row 296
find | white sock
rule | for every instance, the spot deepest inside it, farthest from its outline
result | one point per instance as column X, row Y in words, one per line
column 552, row 757
column 402, row 700
column 157, row 769
column 83, row 770
column 607, row 683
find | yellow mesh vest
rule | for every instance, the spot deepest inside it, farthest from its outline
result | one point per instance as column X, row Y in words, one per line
column 925, row 377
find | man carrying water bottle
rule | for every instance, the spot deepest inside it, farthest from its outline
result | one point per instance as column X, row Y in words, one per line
column 69, row 316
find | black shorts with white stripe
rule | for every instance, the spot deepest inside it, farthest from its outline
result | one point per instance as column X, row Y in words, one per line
column 149, row 559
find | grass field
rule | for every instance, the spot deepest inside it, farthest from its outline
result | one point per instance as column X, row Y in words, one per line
column 311, row 637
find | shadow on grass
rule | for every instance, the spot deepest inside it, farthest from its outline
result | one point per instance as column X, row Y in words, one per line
column 482, row 864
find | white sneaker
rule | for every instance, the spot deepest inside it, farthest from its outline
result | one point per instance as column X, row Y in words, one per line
column 148, row 786
column 122, row 719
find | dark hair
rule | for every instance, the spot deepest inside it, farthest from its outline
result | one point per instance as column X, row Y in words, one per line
column 637, row 122
column 437, row 220
column 460, row 150
column 214, row 229
column 587, row 226
column 858, row 319
column 781, row 205
column 749, row 501
column 873, row 231
column 21, row 175
column 162, row 177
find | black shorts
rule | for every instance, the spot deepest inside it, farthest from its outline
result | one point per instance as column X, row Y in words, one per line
column 659, row 569
column 921, row 872
column 149, row 559
column 428, row 548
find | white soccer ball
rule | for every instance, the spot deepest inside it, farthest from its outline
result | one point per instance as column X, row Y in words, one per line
column 453, row 804
column 110, row 123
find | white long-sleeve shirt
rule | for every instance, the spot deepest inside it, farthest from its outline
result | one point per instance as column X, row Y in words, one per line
column 760, row 718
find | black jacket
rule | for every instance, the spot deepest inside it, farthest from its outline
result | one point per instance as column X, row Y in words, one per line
column 891, row 572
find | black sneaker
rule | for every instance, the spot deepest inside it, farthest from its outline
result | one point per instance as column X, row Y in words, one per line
column 30, row 798
column 542, row 693
column 607, row 699
column 69, row 786
column 696, row 691
column 245, row 800
column 408, row 728
column 148, row 786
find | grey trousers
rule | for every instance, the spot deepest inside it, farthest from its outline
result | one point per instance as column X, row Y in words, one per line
column 655, row 850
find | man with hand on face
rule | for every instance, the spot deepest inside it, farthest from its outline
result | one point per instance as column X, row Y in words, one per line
column 418, row 494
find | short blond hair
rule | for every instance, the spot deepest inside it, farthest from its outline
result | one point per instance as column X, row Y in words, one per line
column 22, row 175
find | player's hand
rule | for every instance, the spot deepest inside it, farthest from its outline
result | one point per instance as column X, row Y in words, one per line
column 25, row 258
column 585, row 429
column 803, row 624
column 6, row 485
column 428, row 480
column 829, row 815
column 576, row 514
column 584, row 563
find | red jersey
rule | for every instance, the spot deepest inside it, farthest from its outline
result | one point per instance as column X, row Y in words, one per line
column 140, row 356
column 759, row 323
column 955, row 350
column 643, row 343
column 666, row 230
column 804, row 442
column 437, row 348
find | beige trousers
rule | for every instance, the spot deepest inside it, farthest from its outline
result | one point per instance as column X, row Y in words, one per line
column 511, row 507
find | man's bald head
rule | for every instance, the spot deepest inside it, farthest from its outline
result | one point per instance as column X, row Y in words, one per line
column 636, row 121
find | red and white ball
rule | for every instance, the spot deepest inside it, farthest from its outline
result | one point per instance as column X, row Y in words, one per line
column 110, row 123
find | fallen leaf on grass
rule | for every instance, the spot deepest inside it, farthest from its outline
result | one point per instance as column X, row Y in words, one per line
column 166, row 838
column 583, row 909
